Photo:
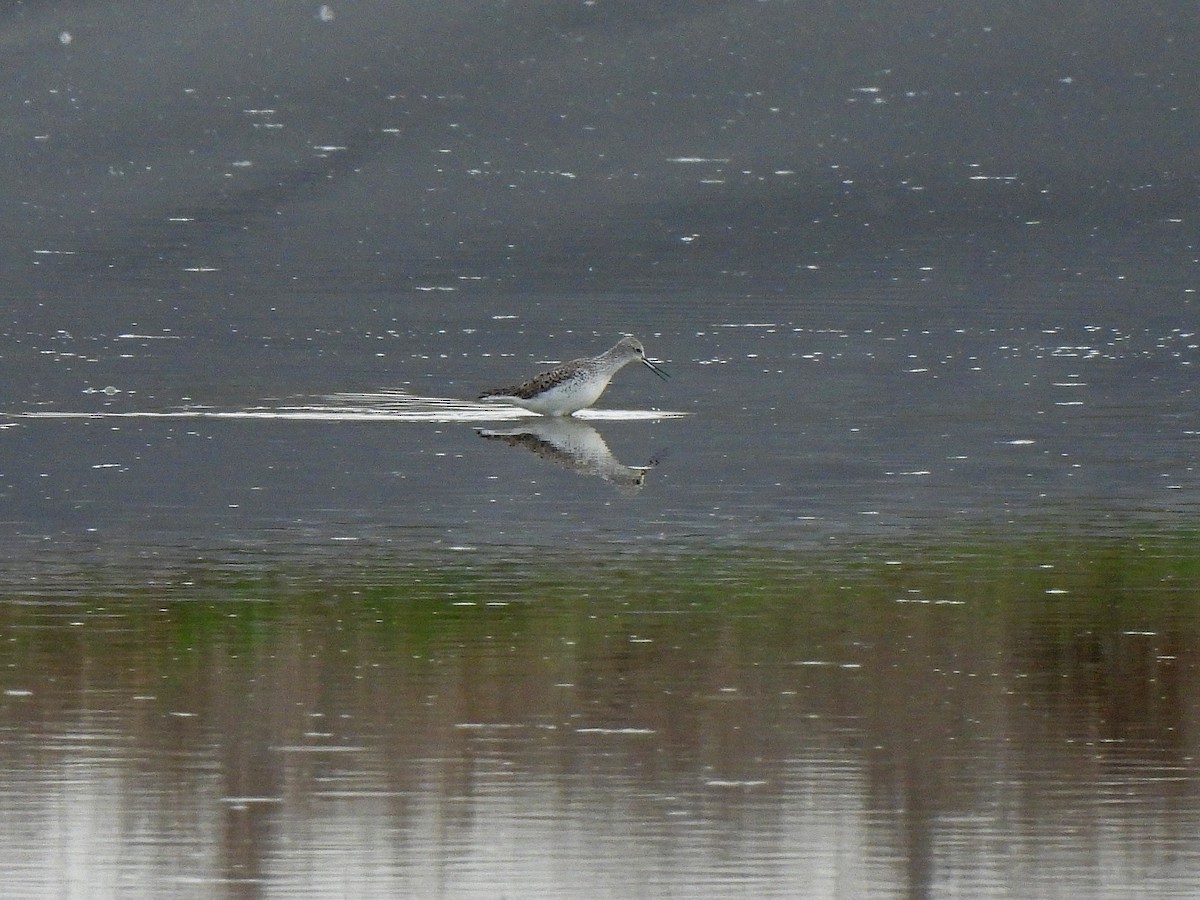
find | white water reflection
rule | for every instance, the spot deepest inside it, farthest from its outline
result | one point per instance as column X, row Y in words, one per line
column 611, row 727
column 393, row 406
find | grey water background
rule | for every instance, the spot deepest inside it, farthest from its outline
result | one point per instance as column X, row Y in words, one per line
column 906, row 604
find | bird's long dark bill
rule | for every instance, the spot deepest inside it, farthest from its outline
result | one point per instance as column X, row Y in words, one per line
column 655, row 369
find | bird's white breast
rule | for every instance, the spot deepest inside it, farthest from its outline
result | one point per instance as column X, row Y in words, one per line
column 567, row 397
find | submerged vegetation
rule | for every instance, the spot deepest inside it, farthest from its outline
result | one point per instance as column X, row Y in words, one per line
column 1013, row 683
column 1064, row 577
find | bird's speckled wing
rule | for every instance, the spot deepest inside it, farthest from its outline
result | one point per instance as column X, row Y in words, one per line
column 537, row 384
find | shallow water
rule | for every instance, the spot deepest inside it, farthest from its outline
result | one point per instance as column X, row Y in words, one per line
column 769, row 432
column 891, row 590
column 989, row 717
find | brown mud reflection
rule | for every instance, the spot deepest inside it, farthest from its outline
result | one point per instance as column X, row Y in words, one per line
column 987, row 722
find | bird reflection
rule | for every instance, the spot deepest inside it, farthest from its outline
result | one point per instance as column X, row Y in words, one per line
column 573, row 445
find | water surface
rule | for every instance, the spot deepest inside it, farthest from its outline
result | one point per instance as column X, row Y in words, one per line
column 890, row 591
column 883, row 719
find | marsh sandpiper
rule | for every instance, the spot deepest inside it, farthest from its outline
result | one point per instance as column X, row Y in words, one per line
column 575, row 385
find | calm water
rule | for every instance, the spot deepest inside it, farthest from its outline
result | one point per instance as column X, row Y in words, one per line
column 893, row 590
column 886, row 612
column 980, row 717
